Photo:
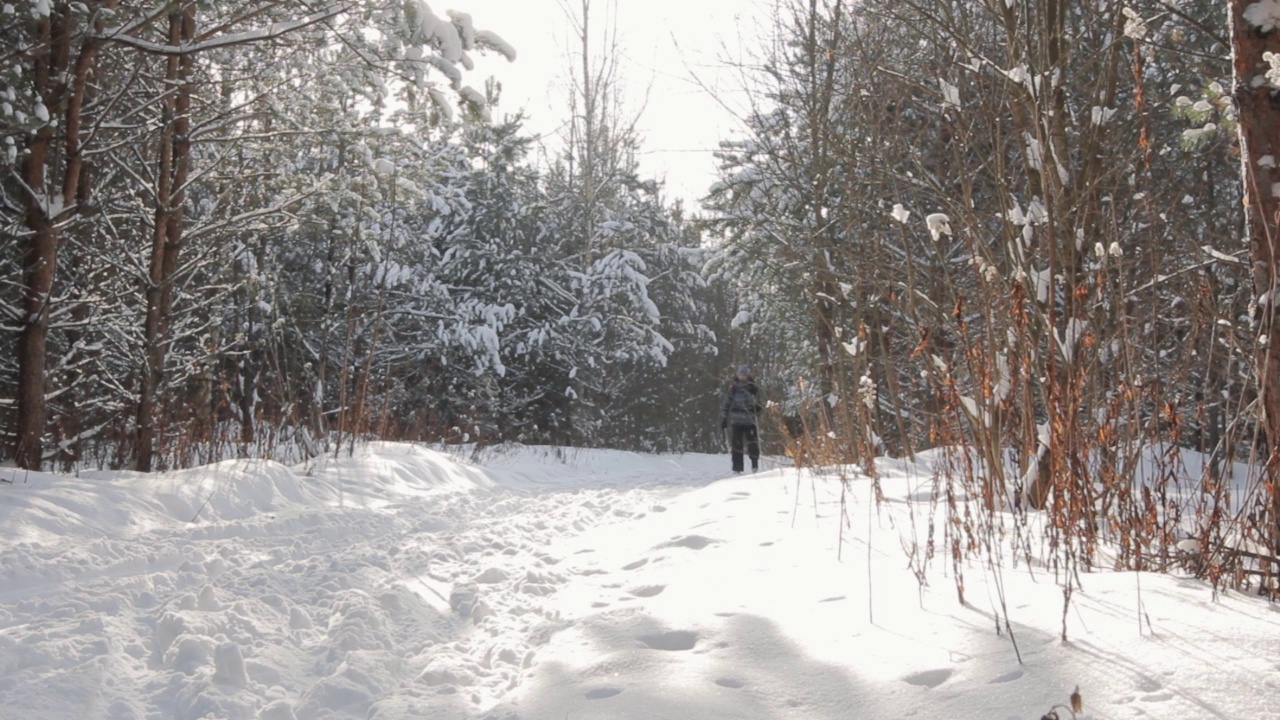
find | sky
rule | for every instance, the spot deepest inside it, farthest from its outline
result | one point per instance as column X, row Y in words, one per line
column 670, row 47
column 532, row 583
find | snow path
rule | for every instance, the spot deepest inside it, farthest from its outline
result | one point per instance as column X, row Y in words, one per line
column 732, row 604
column 405, row 583
column 314, row 597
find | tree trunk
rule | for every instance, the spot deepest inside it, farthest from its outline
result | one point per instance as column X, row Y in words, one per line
column 38, row 271
column 61, row 86
column 172, row 172
column 1259, row 128
column 589, row 117
column 824, row 289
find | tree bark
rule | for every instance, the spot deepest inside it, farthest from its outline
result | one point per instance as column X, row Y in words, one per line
column 38, row 272
column 171, row 177
column 61, row 86
column 1259, row 132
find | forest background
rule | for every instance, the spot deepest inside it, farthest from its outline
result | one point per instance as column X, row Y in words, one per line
column 1041, row 234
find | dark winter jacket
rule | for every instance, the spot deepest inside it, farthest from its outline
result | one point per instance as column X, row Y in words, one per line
column 741, row 404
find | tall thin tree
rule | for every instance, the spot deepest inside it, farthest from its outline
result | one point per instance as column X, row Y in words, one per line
column 1255, row 38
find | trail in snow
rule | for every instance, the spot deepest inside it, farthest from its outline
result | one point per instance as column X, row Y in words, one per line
column 361, row 591
column 535, row 584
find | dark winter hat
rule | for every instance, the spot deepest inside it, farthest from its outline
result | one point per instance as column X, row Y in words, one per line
column 744, row 369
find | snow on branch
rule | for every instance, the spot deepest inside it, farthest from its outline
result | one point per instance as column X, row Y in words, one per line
column 939, row 224
column 1264, row 15
column 269, row 32
column 491, row 41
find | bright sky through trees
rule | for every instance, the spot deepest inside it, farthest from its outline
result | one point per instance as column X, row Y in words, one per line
column 669, row 46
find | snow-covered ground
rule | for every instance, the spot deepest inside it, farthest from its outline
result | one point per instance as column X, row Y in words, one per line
column 536, row 584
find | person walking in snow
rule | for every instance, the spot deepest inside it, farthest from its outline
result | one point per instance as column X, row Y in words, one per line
column 738, row 416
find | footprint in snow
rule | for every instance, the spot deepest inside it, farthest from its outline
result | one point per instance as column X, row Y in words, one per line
column 603, row 692
column 693, row 542
column 1149, row 684
column 637, row 564
column 929, row 678
column 647, row 590
column 1006, row 677
column 491, row 576
column 673, row 641
column 729, row 682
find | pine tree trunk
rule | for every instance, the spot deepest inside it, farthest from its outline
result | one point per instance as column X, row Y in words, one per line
column 38, row 272
column 175, row 161
column 1259, row 128
column 61, row 86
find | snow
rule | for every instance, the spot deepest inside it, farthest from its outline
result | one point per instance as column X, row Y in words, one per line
column 1273, row 67
column 939, row 224
column 465, row 26
column 1020, row 76
column 475, row 97
column 950, row 94
column 444, row 34
column 448, row 69
column 1264, row 15
column 1042, row 280
column 1070, row 337
column 1135, row 26
column 487, row 39
column 1035, row 152
column 1101, row 115
column 520, row 582
column 976, row 413
column 442, row 103
column 1004, row 378
column 125, row 35
column 1037, row 213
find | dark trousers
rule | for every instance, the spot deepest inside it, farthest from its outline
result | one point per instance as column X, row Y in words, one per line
column 738, row 434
